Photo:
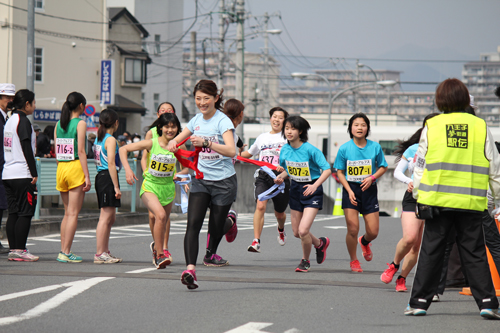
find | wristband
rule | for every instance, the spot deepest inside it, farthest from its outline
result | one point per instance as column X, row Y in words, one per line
column 373, row 177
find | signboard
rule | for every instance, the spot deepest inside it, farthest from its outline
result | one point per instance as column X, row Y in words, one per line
column 89, row 110
column 55, row 115
column 107, row 82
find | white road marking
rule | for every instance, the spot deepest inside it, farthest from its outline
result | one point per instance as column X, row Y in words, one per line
column 251, row 327
column 336, row 227
column 142, row 270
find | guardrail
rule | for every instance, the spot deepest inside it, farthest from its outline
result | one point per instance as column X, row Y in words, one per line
column 46, row 184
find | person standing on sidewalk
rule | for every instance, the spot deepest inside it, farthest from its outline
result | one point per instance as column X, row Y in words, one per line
column 268, row 145
column 456, row 159
column 7, row 92
column 19, row 174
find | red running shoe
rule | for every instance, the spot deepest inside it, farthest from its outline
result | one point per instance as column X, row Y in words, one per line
column 401, row 284
column 367, row 252
column 355, row 266
column 231, row 234
column 388, row 274
column 188, row 278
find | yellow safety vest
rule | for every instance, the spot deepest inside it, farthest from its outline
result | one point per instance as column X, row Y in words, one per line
column 456, row 173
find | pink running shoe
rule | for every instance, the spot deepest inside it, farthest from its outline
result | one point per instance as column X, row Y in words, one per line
column 355, row 266
column 188, row 278
column 231, row 234
column 388, row 274
column 167, row 254
column 367, row 252
column 401, row 284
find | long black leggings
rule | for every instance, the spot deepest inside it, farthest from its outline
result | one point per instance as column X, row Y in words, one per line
column 18, row 228
column 197, row 208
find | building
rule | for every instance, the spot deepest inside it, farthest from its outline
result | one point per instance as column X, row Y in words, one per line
column 258, row 96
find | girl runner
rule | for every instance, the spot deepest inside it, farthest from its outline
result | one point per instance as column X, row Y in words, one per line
column 107, row 186
column 357, row 160
column 73, row 178
column 158, row 188
column 165, row 107
column 268, row 146
column 19, row 174
column 409, row 246
column 213, row 131
column 303, row 163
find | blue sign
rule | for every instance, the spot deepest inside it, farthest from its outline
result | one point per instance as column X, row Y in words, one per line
column 55, row 115
column 89, row 110
column 107, row 82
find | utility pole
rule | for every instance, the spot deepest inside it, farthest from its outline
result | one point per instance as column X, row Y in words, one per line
column 30, row 54
column 220, row 76
column 266, row 61
column 192, row 60
column 240, row 59
column 355, row 95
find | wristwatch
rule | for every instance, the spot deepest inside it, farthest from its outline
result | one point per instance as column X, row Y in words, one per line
column 205, row 144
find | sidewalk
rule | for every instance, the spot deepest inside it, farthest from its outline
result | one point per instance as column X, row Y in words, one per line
column 50, row 224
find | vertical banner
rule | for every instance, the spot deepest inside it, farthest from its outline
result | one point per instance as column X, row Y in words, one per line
column 107, row 82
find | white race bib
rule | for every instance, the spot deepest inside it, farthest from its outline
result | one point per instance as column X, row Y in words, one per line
column 357, row 171
column 65, row 149
column 7, row 141
column 299, row 171
column 162, row 165
column 97, row 155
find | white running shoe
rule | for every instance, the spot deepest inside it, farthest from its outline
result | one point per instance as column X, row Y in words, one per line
column 255, row 247
column 281, row 237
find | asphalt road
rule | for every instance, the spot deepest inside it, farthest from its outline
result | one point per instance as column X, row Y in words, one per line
column 257, row 292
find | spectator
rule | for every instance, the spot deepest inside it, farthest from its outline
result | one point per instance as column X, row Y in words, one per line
column 128, row 137
column 122, row 141
column 49, row 132
column 90, row 145
column 42, row 143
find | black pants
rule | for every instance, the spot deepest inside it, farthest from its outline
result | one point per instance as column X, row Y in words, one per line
column 470, row 241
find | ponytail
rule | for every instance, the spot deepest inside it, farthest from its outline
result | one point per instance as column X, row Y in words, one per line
column 73, row 100
column 107, row 119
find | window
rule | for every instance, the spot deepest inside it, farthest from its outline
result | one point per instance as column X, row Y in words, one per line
column 251, row 142
column 156, row 100
column 135, row 71
column 157, row 44
column 38, row 64
column 388, row 146
column 39, row 5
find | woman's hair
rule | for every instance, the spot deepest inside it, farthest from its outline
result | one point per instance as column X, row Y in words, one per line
column 356, row 116
column 452, row 95
column 298, row 123
column 210, row 88
column 233, row 108
column 20, row 98
column 72, row 101
column 107, row 119
column 277, row 108
column 159, row 106
column 166, row 119
column 415, row 138
column 49, row 131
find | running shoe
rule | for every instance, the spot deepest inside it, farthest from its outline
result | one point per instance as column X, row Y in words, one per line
column 304, row 266
column 27, row 256
column 321, row 250
column 188, row 278
column 112, row 256
column 153, row 251
column 355, row 266
column 401, row 284
column 414, row 312
column 162, row 261
column 167, row 254
column 14, row 255
column 104, row 258
column 231, row 234
column 70, row 257
column 435, row 298
column 215, row 261
column 490, row 314
column 255, row 247
column 388, row 274
column 281, row 237
column 367, row 252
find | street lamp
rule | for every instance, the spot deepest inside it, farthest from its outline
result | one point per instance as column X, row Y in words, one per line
column 360, row 65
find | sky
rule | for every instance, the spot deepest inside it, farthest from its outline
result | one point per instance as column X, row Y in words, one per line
column 384, row 34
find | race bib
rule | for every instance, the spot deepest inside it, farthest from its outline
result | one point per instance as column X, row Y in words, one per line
column 299, row 171
column 7, row 142
column 65, row 149
column 97, row 155
column 162, row 165
column 208, row 154
column 270, row 156
column 357, row 171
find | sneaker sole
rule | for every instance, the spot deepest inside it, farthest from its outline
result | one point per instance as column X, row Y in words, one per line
column 232, row 233
column 105, row 262
column 324, row 250
column 489, row 315
column 215, row 265
column 163, row 264
column 252, row 249
column 298, row 270
column 71, row 261
column 401, row 290
column 417, row 313
column 188, row 280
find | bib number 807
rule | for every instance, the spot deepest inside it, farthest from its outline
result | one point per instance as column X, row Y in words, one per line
column 298, row 171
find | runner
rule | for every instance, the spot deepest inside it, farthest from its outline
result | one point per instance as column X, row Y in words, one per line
column 213, row 131
column 409, row 246
column 19, row 174
column 165, row 107
column 268, row 146
column 158, row 187
column 303, row 164
column 107, row 186
column 73, row 178
column 359, row 163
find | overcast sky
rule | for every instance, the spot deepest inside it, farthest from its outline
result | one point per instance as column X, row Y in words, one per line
column 381, row 29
